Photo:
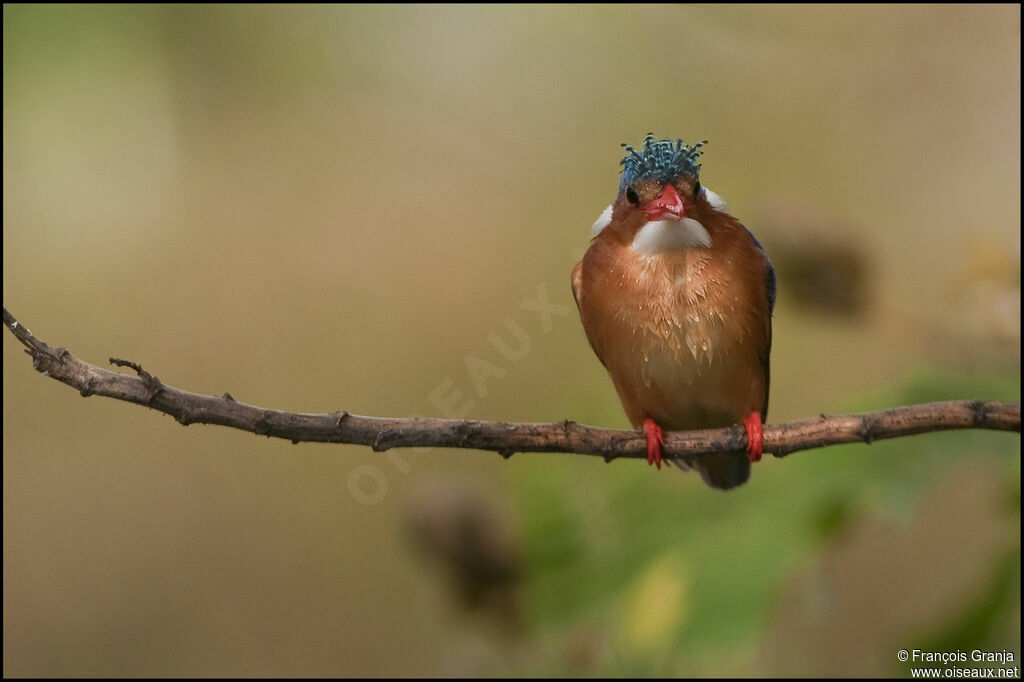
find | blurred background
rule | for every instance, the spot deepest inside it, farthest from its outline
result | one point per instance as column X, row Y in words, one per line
column 369, row 209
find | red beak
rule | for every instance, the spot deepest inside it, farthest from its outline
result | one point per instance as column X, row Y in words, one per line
column 668, row 205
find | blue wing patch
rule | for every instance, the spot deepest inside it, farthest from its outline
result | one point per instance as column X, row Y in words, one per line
column 769, row 278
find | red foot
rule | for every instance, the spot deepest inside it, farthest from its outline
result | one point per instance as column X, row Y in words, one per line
column 655, row 440
column 755, row 441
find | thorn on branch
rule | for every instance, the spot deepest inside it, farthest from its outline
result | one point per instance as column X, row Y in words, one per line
column 376, row 446
column 38, row 362
column 153, row 384
column 43, row 355
column 867, row 429
column 978, row 413
column 462, row 432
column 262, row 425
column 230, row 398
column 128, row 363
column 739, row 437
column 87, row 390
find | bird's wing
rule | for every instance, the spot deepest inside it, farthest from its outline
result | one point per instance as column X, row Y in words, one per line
column 577, row 294
column 770, row 288
column 769, row 285
column 577, row 283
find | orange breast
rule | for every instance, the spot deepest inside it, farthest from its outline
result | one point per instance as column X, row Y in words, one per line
column 684, row 335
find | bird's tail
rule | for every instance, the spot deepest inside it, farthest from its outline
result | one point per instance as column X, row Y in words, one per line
column 722, row 471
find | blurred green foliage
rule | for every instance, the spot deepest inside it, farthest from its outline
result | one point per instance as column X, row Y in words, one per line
column 735, row 554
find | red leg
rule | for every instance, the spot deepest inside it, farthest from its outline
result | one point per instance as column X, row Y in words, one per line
column 755, row 441
column 655, row 440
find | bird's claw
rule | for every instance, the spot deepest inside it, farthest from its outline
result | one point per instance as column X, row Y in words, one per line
column 755, row 439
column 655, row 440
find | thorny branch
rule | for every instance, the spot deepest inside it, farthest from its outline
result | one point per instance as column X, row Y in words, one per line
column 382, row 433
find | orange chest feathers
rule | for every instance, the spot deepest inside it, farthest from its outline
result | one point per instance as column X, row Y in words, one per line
column 684, row 334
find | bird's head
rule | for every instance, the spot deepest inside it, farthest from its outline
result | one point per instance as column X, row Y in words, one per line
column 661, row 205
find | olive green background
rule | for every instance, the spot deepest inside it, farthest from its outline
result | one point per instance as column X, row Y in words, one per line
column 338, row 207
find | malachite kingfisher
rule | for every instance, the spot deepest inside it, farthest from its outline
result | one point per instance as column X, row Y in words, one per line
column 676, row 299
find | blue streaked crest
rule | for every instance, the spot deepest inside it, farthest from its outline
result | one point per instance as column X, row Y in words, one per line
column 663, row 161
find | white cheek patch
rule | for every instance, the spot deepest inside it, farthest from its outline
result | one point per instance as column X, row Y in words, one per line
column 602, row 221
column 717, row 202
column 660, row 236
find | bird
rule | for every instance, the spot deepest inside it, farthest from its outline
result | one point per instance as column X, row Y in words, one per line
column 676, row 298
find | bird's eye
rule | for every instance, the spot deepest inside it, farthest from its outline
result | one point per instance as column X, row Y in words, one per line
column 632, row 197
